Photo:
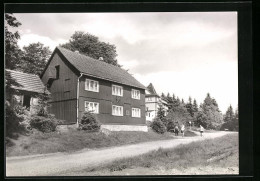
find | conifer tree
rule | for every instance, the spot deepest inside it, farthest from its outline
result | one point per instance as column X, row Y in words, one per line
column 229, row 116
column 209, row 116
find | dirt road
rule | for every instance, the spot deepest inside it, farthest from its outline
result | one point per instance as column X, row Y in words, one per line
column 65, row 164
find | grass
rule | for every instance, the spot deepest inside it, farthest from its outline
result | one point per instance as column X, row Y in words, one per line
column 73, row 140
column 222, row 152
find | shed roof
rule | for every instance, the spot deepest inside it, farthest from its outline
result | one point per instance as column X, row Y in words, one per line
column 26, row 82
column 99, row 69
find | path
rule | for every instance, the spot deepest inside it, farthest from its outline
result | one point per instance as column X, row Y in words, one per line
column 64, row 164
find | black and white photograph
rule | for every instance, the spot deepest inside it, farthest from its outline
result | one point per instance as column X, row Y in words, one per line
column 121, row 93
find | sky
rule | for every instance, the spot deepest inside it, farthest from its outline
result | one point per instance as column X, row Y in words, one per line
column 185, row 53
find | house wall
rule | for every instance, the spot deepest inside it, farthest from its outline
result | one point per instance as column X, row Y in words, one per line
column 105, row 99
column 63, row 91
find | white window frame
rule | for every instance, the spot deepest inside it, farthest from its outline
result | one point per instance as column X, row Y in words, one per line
column 136, row 112
column 134, row 94
column 114, row 87
column 87, row 106
column 115, row 113
column 88, row 87
column 149, row 99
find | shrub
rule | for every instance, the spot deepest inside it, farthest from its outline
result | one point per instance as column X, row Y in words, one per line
column 158, row 126
column 89, row 122
column 14, row 119
column 170, row 125
column 230, row 125
column 44, row 124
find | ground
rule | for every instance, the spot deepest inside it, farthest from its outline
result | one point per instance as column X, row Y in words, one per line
column 76, row 163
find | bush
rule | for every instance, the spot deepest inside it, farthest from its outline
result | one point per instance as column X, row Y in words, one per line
column 44, row 124
column 230, row 125
column 158, row 126
column 14, row 119
column 170, row 126
column 89, row 122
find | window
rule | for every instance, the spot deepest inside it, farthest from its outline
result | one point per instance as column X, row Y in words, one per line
column 136, row 112
column 135, row 94
column 117, row 110
column 34, row 101
column 91, row 85
column 148, row 99
column 67, row 85
column 57, row 71
column 117, row 90
column 92, row 106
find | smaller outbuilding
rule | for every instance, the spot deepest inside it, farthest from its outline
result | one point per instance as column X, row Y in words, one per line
column 29, row 86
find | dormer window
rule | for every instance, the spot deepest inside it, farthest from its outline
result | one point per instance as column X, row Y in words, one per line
column 57, row 71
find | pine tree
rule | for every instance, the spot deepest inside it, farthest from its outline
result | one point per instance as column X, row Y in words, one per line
column 209, row 115
column 189, row 107
column 195, row 106
column 229, row 116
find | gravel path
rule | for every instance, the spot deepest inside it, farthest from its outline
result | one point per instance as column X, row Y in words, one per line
column 65, row 164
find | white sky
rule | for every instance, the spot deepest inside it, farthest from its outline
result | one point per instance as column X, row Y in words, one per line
column 185, row 53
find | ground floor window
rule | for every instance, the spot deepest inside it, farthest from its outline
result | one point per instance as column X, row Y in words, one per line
column 117, row 110
column 92, row 106
column 136, row 112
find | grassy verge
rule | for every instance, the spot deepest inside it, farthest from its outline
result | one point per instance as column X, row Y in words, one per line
column 72, row 140
column 220, row 152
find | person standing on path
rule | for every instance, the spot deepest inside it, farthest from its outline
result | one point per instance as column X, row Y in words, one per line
column 182, row 129
column 201, row 130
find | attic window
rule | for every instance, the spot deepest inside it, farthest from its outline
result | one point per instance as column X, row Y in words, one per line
column 57, row 71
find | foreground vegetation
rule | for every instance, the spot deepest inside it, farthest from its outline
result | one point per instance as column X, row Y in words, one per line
column 217, row 153
column 72, row 140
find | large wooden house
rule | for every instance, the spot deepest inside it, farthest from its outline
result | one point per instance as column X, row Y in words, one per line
column 78, row 83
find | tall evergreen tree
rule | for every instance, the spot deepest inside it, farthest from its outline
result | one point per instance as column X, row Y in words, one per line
column 209, row 115
column 195, row 106
column 189, row 107
column 229, row 116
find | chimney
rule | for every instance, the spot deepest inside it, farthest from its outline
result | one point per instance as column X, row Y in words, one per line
column 76, row 51
column 100, row 58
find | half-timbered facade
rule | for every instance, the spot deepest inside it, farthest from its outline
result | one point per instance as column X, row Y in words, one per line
column 152, row 102
column 79, row 83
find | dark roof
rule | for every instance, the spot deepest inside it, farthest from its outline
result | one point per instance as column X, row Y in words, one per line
column 150, row 88
column 99, row 69
column 26, row 82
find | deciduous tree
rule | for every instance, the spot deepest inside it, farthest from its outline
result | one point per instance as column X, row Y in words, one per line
column 90, row 45
column 34, row 58
column 12, row 51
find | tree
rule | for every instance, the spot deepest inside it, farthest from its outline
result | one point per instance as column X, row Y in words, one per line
column 195, row 106
column 229, row 116
column 189, row 107
column 12, row 51
column 161, row 112
column 209, row 115
column 163, row 96
column 236, row 114
column 90, row 45
column 35, row 58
